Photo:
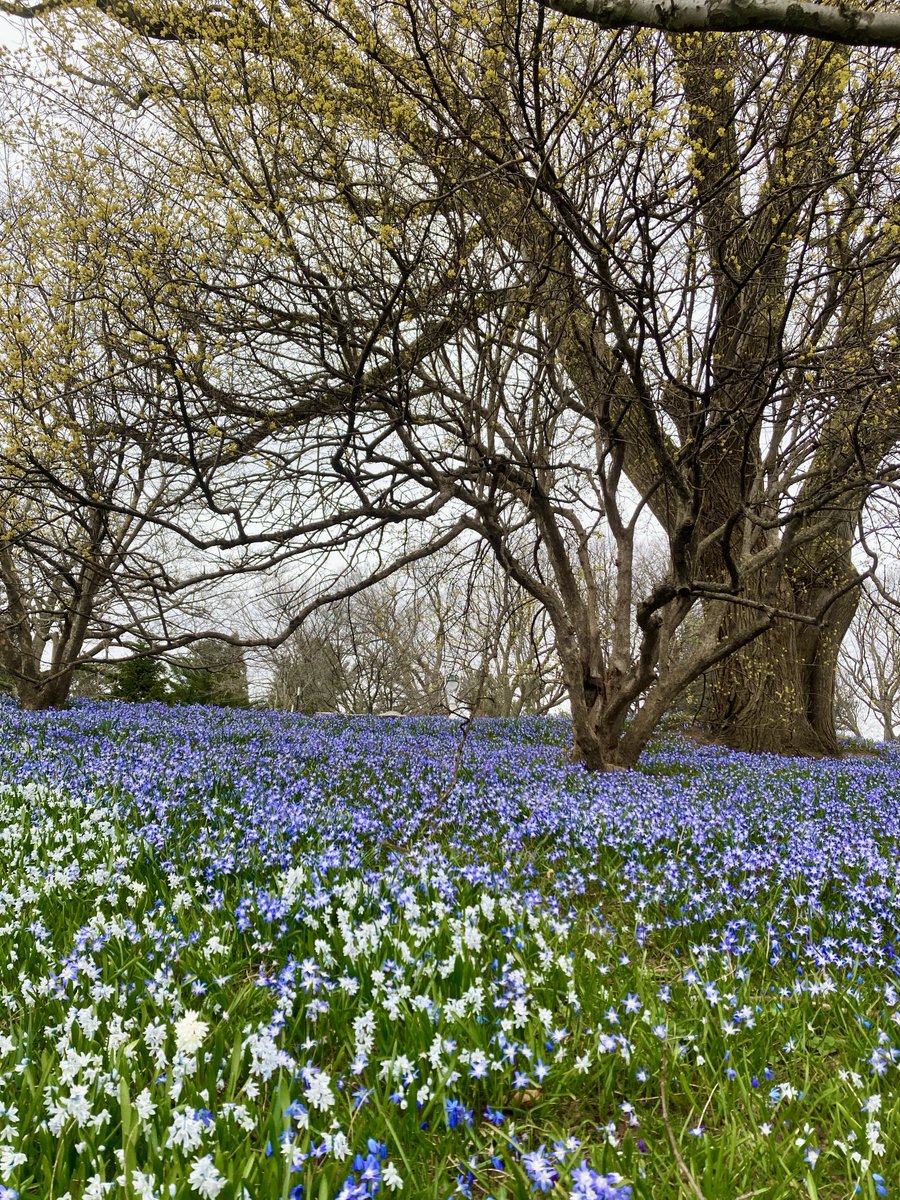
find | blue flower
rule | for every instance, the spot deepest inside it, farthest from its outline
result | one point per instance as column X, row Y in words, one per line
column 541, row 1172
column 457, row 1113
column 591, row 1185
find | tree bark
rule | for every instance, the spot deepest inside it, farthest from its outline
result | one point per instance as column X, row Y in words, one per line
column 777, row 694
column 40, row 694
column 760, row 698
column 832, row 23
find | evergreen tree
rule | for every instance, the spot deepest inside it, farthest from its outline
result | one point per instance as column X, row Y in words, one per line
column 139, row 678
column 212, row 672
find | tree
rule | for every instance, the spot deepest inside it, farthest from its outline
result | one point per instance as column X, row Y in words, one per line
column 853, row 26
column 846, row 709
column 139, row 678
column 109, row 533
column 308, row 675
column 870, row 657
column 498, row 641
column 450, row 634
column 363, row 654
column 82, row 559
column 212, row 672
column 489, row 267
column 92, row 682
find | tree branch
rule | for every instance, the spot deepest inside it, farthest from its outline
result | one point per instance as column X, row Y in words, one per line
column 830, row 23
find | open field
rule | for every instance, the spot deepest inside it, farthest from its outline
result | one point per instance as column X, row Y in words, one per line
column 257, row 955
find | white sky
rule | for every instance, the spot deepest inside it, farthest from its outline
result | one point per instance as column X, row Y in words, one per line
column 11, row 32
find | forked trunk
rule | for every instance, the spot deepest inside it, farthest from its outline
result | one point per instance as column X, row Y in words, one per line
column 604, row 744
column 587, row 751
column 774, row 695
column 37, row 695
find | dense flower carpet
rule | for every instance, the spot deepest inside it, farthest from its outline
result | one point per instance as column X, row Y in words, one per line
column 252, row 956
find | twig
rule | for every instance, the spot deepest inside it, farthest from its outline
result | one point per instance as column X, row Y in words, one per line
column 457, row 761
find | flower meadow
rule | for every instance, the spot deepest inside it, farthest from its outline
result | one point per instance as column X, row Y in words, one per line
column 251, row 956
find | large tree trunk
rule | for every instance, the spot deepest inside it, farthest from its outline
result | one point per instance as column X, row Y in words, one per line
column 761, row 699
column 777, row 695
column 36, row 695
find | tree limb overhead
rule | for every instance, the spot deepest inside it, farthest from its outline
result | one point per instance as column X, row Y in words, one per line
column 831, row 23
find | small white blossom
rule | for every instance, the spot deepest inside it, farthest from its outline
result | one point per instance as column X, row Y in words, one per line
column 318, row 1092
column 391, row 1177
column 144, row 1104
column 205, row 1178
column 9, row 1160
column 185, row 1132
column 190, row 1031
column 143, row 1186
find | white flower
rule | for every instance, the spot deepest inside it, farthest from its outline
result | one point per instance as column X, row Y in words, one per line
column 292, row 883
column 364, row 1032
column 186, row 1132
column 154, row 1036
column 873, row 1133
column 391, row 1177
column 292, row 1154
column 318, row 1092
column 144, row 1104
column 265, row 1057
column 190, row 1031
column 142, row 1186
column 240, row 1115
column 9, row 1160
column 215, row 945
column 79, row 1107
column 96, row 1188
column 205, row 1178
column 88, row 1020
column 340, row 1147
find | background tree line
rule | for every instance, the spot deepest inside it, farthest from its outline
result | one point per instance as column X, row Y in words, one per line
column 211, row 672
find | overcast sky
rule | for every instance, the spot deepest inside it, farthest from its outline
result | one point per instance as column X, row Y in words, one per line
column 11, row 33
